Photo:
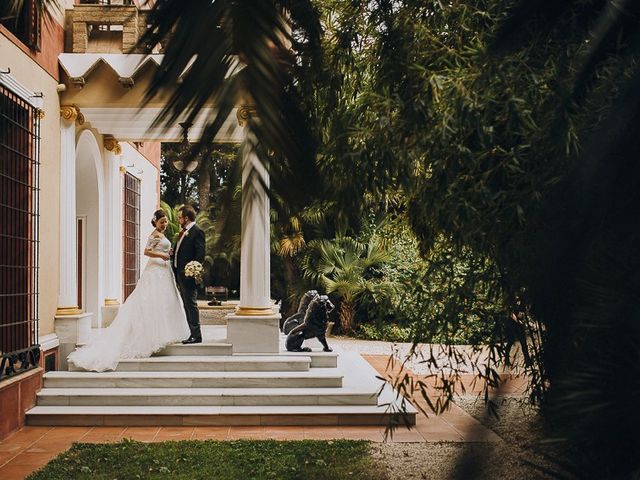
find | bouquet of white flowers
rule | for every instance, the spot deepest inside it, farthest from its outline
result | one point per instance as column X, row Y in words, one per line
column 194, row 270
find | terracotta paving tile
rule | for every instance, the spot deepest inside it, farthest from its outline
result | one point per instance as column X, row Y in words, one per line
column 101, row 439
column 211, row 433
column 108, row 430
column 26, row 434
column 322, row 433
column 16, row 472
column 248, row 432
column 15, row 448
column 6, row 456
column 284, row 436
column 375, row 434
column 479, row 434
column 434, row 429
column 104, row 434
column 45, row 446
column 141, row 434
column 403, row 434
column 285, row 433
column 174, row 433
column 20, row 441
column 59, row 432
column 32, row 459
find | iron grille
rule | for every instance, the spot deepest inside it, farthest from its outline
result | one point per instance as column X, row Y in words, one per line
column 19, row 224
column 131, row 233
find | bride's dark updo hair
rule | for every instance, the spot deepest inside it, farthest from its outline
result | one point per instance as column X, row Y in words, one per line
column 157, row 215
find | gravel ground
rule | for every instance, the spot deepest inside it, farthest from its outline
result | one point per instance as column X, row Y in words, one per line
column 520, row 456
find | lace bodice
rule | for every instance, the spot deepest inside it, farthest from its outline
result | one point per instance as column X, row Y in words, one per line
column 158, row 243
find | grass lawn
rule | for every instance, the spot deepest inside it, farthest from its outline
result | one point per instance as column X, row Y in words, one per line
column 242, row 459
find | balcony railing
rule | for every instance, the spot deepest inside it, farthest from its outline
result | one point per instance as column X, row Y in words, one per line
column 106, row 26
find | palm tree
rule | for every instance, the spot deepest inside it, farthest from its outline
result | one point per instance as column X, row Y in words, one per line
column 10, row 10
column 347, row 268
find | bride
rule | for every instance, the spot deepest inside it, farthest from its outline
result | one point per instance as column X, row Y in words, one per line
column 152, row 316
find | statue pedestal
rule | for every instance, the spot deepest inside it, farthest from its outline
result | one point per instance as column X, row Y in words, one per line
column 254, row 333
column 71, row 330
column 109, row 313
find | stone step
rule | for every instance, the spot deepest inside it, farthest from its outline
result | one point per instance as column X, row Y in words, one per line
column 196, row 349
column 319, row 359
column 204, row 396
column 330, row 415
column 220, row 363
column 317, row 377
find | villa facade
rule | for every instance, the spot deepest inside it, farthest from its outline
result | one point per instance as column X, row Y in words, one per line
column 79, row 181
column 75, row 199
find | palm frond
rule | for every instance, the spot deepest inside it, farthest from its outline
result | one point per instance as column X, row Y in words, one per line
column 10, row 10
column 240, row 52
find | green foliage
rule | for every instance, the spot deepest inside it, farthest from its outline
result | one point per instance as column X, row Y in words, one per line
column 259, row 460
column 173, row 227
column 520, row 173
column 348, row 269
column 387, row 332
column 222, row 253
column 422, row 303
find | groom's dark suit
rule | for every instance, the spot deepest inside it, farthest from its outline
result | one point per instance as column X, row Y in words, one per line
column 190, row 247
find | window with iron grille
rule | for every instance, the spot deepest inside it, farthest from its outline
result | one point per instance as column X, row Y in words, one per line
column 19, row 216
column 26, row 25
column 131, row 230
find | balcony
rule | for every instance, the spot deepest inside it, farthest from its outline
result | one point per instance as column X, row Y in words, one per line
column 105, row 26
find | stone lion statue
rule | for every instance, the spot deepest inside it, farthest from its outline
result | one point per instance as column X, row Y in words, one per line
column 313, row 326
column 297, row 318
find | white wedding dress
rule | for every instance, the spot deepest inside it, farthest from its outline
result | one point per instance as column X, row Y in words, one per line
column 151, row 318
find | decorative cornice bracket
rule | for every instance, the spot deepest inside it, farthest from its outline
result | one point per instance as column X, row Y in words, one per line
column 245, row 112
column 71, row 113
column 112, row 145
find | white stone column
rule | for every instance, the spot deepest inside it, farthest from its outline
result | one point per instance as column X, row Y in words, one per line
column 113, row 223
column 255, row 264
column 68, row 289
column 71, row 325
column 254, row 326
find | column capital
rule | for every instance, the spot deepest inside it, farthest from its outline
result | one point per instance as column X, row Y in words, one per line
column 245, row 112
column 71, row 113
column 112, row 145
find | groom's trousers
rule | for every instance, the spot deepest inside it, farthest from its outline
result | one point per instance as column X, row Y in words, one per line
column 189, row 293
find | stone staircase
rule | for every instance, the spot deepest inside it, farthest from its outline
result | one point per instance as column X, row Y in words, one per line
column 206, row 384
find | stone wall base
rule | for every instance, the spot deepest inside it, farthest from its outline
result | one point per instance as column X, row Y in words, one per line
column 17, row 395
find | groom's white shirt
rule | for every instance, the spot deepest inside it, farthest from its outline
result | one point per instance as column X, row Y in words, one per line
column 175, row 256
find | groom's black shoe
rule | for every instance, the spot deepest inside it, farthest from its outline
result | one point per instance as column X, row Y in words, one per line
column 191, row 340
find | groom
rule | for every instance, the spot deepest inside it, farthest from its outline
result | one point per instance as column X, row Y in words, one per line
column 189, row 247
